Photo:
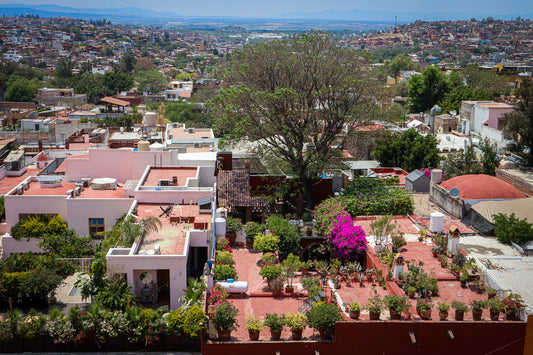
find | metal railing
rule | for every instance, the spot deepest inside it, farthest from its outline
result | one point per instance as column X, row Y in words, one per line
column 83, row 263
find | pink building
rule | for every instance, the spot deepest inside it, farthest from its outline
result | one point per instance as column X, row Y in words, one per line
column 106, row 184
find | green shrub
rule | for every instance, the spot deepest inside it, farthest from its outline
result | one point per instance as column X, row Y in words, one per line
column 323, row 316
column 510, row 229
column 269, row 259
column 275, row 322
column 225, row 316
column 270, row 272
column 252, row 229
column 223, row 272
column 289, row 237
column 266, row 243
column 175, row 320
column 224, row 257
column 233, row 225
column 194, row 322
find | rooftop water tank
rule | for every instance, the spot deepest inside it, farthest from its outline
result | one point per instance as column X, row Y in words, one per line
column 150, row 119
column 436, row 222
column 143, row 146
column 436, row 176
column 220, row 226
column 234, row 287
column 104, row 184
column 156, row 147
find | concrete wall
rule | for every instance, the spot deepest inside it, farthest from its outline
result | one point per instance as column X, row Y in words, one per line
column 441, row 197
column 79, row 211
column 518, row 183
column 62, row 131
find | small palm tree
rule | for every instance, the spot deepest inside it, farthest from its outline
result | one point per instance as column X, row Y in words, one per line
column 131, row 229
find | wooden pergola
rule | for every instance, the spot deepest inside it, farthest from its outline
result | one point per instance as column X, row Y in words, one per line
column 111, row 101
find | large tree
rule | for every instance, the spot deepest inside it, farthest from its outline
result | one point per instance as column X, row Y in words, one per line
column 426, row 89
column 408, row 151
column 151, row 81
column 520, row 123
column 297, row 96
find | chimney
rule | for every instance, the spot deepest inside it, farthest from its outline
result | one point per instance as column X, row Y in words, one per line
column 40, row 145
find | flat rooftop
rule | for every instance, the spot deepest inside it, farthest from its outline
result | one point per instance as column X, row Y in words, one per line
column 112, row 193
column 9, row 182
column 36, row 190
column 183, row 133
column 171, row 236
column 182, row 174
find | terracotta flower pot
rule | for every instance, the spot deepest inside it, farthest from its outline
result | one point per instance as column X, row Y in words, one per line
column 324, row 335
column 511, row 316
column 275, row 335
column 459, row 315
column 297, row 334
column 476, row 315
column 374, row 315
column 231, row 237
column 443, row 315
column 395, row 315
column 304, row 271
column 425, row 314
column 289, row 289
column 253, row 334
column 249, row 244
column 224, row 334
column 494, row 315
column 355, row 314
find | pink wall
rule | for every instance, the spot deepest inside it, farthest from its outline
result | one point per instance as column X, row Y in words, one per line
column 80, row 210
column 15, row 204
column 171, row 196
column 121, row 164
column 494, row 116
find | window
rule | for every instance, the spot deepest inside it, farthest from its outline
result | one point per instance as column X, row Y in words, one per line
column 96, row 226
column 45, row 217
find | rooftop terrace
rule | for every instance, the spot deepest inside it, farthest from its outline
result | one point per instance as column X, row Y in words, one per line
column 180, row 174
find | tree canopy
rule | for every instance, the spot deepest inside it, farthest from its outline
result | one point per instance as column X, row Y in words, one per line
column 426, row 89
column 297, row 97
column 409, row 151
column 151, row 81
column 520, row 123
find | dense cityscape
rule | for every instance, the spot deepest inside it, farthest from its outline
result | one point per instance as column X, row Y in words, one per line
column 224, row 189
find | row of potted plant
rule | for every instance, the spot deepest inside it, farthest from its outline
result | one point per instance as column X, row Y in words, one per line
column 224, row 268
column 296, row 322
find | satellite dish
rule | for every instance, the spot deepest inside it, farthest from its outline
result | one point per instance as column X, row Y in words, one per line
column 146, row 278
column 454, row 192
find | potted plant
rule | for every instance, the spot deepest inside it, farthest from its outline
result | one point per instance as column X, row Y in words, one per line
column 270, row 272
column 397, row 305
column 275, row 322
column 296, row 321
column 309, row 231
column 354, row 309
column 435, row 250
column 477, row 309
column 336, row 283
column 464, row 279
column 369, row 274
column 411, row 291
column 224, row 320
column 289, row 266
column 233, row 225
column 460, row 309
column 323, row 317
column 304, row 268
column 443, row 261
column 252, row 229
column 512, row 305
column 267, row 243
column 401, row 279
column 495, row 307
column 374, row 306
column 443, row 310
column 254, row 326
column 277, row 286
column 424, row 309
column 491, row 293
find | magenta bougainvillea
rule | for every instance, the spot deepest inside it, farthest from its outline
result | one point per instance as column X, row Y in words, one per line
column 347, row 242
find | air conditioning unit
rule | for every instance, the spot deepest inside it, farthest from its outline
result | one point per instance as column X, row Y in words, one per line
column 77, row 191
column 70, row 193
column 198, row 145
column 86, row 182
column 20, row 190
column 163, row 182
column 175, row 125
column 26, row 185
column 157, row 249
column 191, row 130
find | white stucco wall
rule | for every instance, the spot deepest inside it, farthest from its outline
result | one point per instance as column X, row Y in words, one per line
column 24, row 245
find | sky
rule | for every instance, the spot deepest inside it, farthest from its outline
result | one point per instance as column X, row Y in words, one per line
column 272, row 8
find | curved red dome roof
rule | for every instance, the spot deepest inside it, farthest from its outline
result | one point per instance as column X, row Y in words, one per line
column 482, row 187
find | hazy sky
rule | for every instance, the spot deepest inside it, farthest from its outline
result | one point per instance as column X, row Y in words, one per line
column 265, row 8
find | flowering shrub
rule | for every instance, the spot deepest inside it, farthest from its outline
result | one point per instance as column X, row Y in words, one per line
column 346, row 241
column 224, row 257
column 223, row 244
column 217, row 295
column 31, row 325
column 156, row 328
column 513, row 303
column 6, row 328
column 233, row 225
column 326, row 212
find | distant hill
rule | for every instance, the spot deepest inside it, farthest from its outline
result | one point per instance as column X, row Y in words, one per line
column 331, row 19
